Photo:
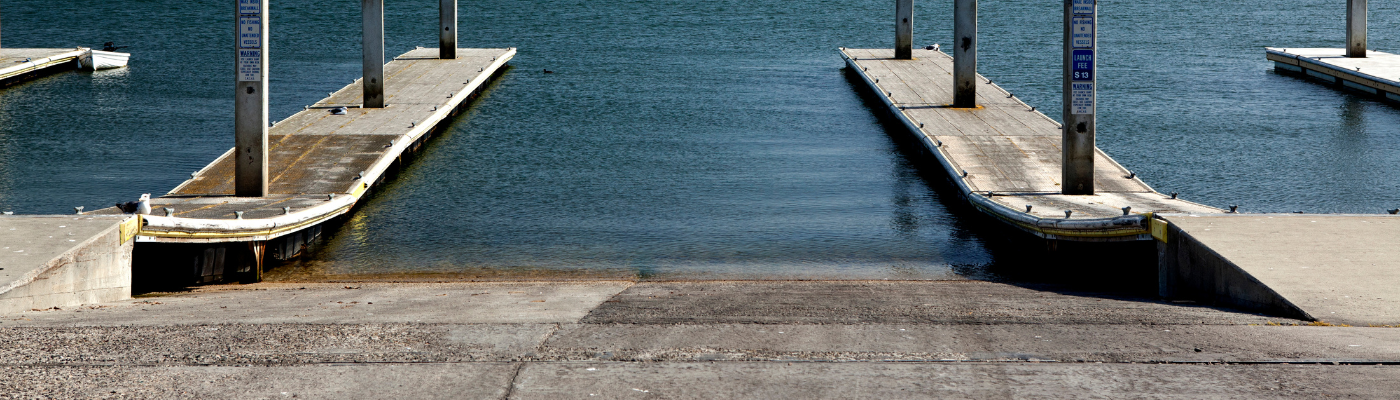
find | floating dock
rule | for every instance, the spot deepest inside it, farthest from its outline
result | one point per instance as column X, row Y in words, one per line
column 19, row 64
column 64, row 260
column 1341, row 269
column 1004, row 156
column 1377, row 74
column 320, row 164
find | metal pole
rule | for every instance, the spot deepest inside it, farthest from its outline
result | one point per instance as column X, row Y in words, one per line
column 904, row 29
column 1079, row 97
column 1356, row 28
column 373, row 46
column 964, row 53
column 250, row 99
column 447, row 21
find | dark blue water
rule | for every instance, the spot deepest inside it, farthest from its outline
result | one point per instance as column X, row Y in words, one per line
column 695, row 138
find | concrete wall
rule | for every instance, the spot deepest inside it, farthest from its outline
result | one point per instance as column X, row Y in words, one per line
column 94, row 270
column 1189, row 270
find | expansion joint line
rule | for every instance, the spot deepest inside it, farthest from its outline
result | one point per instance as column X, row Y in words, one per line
column 510, row 386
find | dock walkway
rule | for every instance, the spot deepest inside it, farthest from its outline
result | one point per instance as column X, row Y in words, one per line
column 320, row 162
column 1377, row 74
column 16, row 64
column 1004, row 156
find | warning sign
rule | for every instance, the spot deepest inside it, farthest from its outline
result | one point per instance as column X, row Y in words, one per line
column 1081, row 98
column 249, row 65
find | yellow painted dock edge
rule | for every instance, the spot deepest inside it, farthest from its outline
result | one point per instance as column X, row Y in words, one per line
column 1159, row 229
column 129, row 228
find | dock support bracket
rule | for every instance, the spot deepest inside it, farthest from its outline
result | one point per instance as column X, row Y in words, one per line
column 373, row 46
column 250, row 98
column 964, row 53
column 1356, row 28
column 447, row 29
column 1080, row 96
column 904, row 29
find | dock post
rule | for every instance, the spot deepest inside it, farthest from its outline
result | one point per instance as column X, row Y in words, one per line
column 250, row 99
column 903, row 29
column 1356, row 28
column 373, row 46
column 447, row 19
column 1077, row 169
column 964, row 53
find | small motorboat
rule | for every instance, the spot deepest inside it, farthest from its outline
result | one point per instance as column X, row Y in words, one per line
column 107, row 58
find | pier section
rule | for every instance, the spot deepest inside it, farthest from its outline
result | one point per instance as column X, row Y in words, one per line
column 19, row 64
column 1333, row 268
column 61, row 261
column 1376, row 74
column 1005, row 157
column 321, row 162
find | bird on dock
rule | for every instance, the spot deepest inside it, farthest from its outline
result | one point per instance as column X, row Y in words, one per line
column 933, row 47
column 140, row 206
column 339, row 111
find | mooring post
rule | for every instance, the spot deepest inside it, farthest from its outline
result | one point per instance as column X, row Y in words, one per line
column 1356, row 28
column 903, row 29
column 250, row 99
column 1079, row 97
column 964, row 53
column 373, row 46
column 447, row 21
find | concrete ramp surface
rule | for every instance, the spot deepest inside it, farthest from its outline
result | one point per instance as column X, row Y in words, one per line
column 1332, row 268
column 60, row 261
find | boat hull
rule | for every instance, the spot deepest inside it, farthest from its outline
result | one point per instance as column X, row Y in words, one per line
column 98, row 60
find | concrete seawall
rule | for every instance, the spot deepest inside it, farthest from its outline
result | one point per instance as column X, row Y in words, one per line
column 1334, row 268
column 63, row 261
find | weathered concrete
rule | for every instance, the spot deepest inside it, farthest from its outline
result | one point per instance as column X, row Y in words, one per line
column 323, row 303
column 610, row 339
column 63, row 261
column 980, row 381
column 1335, row 268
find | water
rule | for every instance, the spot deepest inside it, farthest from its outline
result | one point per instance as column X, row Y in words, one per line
column 696, row 138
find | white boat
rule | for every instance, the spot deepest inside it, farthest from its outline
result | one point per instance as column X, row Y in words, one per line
column 98, row 59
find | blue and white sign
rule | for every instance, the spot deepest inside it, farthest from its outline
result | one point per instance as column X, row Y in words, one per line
column 249, row 65
column 249, row 7
column 1081, row 65
column 1081, row 31
column 1082, row 7
column 249, row 32
column 1081, row 96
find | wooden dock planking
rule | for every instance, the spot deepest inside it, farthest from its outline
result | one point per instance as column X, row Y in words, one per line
column 321, row 163
column 1378, row 73
column 16, row 63
column 1009, row 149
